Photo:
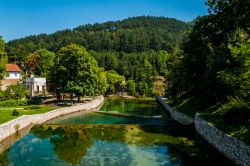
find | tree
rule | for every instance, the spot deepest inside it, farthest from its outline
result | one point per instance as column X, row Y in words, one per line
column 3, row 59
column 238, row 79
column 206, row 53
column 135, row 34
column 75, row 72
column 31, row 63
column 130, row 87
column 114, row 81
column 40, row 62
column 143, row 89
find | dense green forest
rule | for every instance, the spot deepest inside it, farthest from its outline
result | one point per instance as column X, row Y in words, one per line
column 136, row 34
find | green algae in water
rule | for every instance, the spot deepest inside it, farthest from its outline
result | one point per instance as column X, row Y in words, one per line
column 134, row 107
column 98, row 118
column 106, row 145
column 128, row 107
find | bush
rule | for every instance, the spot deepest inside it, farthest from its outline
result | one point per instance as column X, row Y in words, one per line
column 15, row 92
column 12, row 102
column 235, row 111
column 15, row 113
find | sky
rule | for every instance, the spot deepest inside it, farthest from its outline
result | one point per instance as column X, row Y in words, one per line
column 20, row 18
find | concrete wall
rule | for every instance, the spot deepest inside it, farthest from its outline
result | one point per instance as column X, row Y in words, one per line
column 8, row 128
column 229, row 146
column 176, row 115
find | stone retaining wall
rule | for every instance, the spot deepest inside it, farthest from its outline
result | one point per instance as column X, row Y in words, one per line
column 10, row 127
column 229, row 146
column 176, row 115
column 9, row 141
column 232, row 148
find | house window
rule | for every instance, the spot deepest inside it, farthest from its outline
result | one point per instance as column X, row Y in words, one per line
column 37, row 88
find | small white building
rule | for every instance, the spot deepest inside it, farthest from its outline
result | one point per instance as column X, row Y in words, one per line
column 36, row 85
column 13, row 72
column 12, row 77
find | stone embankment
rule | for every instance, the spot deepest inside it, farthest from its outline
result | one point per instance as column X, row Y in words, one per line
column 175, row 114
column 234, row 149
column 11, row 127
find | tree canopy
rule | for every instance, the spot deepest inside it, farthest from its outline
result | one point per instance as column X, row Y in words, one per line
column 40, row 62
column 135, row 34
column 3, row 58
column 75, row 72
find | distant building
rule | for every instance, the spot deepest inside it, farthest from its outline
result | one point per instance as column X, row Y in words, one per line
column 12, row 77
column 36, row 85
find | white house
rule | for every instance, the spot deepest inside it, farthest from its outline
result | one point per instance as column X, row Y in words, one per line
column 12, row 77
column 36, row 85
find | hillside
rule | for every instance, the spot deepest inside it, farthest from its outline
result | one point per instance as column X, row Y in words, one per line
column 136, row 34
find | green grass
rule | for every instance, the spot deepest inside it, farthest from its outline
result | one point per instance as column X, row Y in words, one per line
column 6, row 112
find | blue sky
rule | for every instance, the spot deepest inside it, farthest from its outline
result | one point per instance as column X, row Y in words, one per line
column 20, row 18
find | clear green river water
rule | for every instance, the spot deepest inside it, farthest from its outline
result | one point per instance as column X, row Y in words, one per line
column 142, row 135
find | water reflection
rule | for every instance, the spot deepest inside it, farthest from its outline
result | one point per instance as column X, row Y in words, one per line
column 134, row 107
column 107, row 145
column 110, row 144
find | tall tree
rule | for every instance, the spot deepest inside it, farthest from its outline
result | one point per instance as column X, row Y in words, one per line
column 40, row 62
column 75, row 72
column 3, row 58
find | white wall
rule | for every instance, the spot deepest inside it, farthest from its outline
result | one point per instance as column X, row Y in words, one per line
column 13, row 75
column 34, row 83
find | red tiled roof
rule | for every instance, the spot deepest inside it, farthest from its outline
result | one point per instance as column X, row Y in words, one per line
column 12, row 67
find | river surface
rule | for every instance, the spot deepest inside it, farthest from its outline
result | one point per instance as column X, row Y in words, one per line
column 124, row 132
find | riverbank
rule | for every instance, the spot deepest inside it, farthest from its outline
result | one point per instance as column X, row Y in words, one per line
column 234, row 149
column 11, row 127
column 211, row 113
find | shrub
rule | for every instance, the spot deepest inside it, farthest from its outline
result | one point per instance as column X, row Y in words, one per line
column 15, row 91
column 12, row 102
column 15, row 113
column 236, row 111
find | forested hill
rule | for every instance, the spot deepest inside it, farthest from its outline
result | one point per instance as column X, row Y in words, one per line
column 136, row 34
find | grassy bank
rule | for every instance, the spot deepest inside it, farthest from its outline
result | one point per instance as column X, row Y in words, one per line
column 22, row 108
column 210, row 113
